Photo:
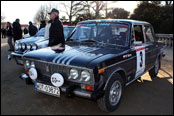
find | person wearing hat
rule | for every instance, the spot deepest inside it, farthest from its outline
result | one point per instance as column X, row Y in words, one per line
column 56, row 34
column 32, row 29
column 42, row 25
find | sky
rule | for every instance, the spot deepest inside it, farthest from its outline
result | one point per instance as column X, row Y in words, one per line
column 26, row 10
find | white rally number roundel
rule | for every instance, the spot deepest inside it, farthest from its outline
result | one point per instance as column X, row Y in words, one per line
column 33, row 73
column 57, row 79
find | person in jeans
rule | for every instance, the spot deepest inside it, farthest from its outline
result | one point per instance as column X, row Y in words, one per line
column 10, row 35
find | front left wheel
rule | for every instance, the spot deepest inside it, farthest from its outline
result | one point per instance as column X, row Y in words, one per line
column 113, row 93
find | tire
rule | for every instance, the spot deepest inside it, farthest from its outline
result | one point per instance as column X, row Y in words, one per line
column 154, row 71
column 28, row 81
column 104, row 102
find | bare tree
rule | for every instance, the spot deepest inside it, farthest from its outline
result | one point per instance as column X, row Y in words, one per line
column 97, row 7
column 42, row 13
column 63, row 19
column 87, row 10
column 107, row 8
column 72, row 9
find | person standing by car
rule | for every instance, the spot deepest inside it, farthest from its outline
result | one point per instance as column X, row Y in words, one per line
column 25, row 30
column 42, row 25
column 3, row 33
column 10, row 35
column 56, row 34
column 17, row 31
column 32, row 29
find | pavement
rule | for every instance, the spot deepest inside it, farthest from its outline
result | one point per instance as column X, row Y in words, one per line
column 143, row 97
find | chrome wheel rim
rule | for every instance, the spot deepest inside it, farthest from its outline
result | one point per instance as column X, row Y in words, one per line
column 156, row 66
column 115, row 93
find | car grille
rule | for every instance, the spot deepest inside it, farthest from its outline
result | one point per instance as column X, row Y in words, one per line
column 45, row 70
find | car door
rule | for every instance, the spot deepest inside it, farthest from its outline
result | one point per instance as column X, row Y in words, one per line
column 150, row 46
column 140, row 50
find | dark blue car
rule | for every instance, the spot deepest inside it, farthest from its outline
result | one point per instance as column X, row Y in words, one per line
column 101, row 58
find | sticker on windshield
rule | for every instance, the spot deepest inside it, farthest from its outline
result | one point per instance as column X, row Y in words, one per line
column 103, row 24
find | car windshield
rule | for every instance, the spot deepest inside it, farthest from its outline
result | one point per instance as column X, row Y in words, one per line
column 67, row 31
column 41, row 32
column 110, row 33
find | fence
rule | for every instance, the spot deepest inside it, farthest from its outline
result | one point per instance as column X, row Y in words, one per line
column 167, row 39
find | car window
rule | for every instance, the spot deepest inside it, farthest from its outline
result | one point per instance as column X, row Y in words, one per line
column 138, row 31
column 67, row 31
column 112, row 33
column 148, row 34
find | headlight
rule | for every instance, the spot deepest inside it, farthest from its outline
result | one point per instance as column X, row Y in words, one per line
column 19, row 46
column 16, row 46
column 23, row 46
column 73, row 74
column 32, row 64
column 34, row 47
column 85, row 76
column 27, row 63
column 28, row 46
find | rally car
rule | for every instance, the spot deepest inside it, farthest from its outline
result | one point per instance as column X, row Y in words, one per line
column 32, row 43
column 100, row 58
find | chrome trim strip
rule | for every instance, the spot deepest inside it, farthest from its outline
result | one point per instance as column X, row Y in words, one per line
column 82, row 93
column 138, row 77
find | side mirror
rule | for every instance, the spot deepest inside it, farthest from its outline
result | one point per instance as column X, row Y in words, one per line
column 137, row 43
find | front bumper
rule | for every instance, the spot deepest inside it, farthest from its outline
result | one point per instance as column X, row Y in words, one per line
column 74, row 90
column 17, row 57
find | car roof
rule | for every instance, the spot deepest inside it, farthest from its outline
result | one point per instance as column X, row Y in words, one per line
column 115, row 20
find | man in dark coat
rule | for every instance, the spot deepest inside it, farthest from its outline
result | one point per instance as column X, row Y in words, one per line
column 25, row 30
column 42, row 25
column 56, row 34
column 17, row 31
column 32, row 29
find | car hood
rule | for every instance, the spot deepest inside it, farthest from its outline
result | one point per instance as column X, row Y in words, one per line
column 31, row 39
column 72, row 55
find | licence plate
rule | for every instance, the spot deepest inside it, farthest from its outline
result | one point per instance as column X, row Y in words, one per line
column 55, row 91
